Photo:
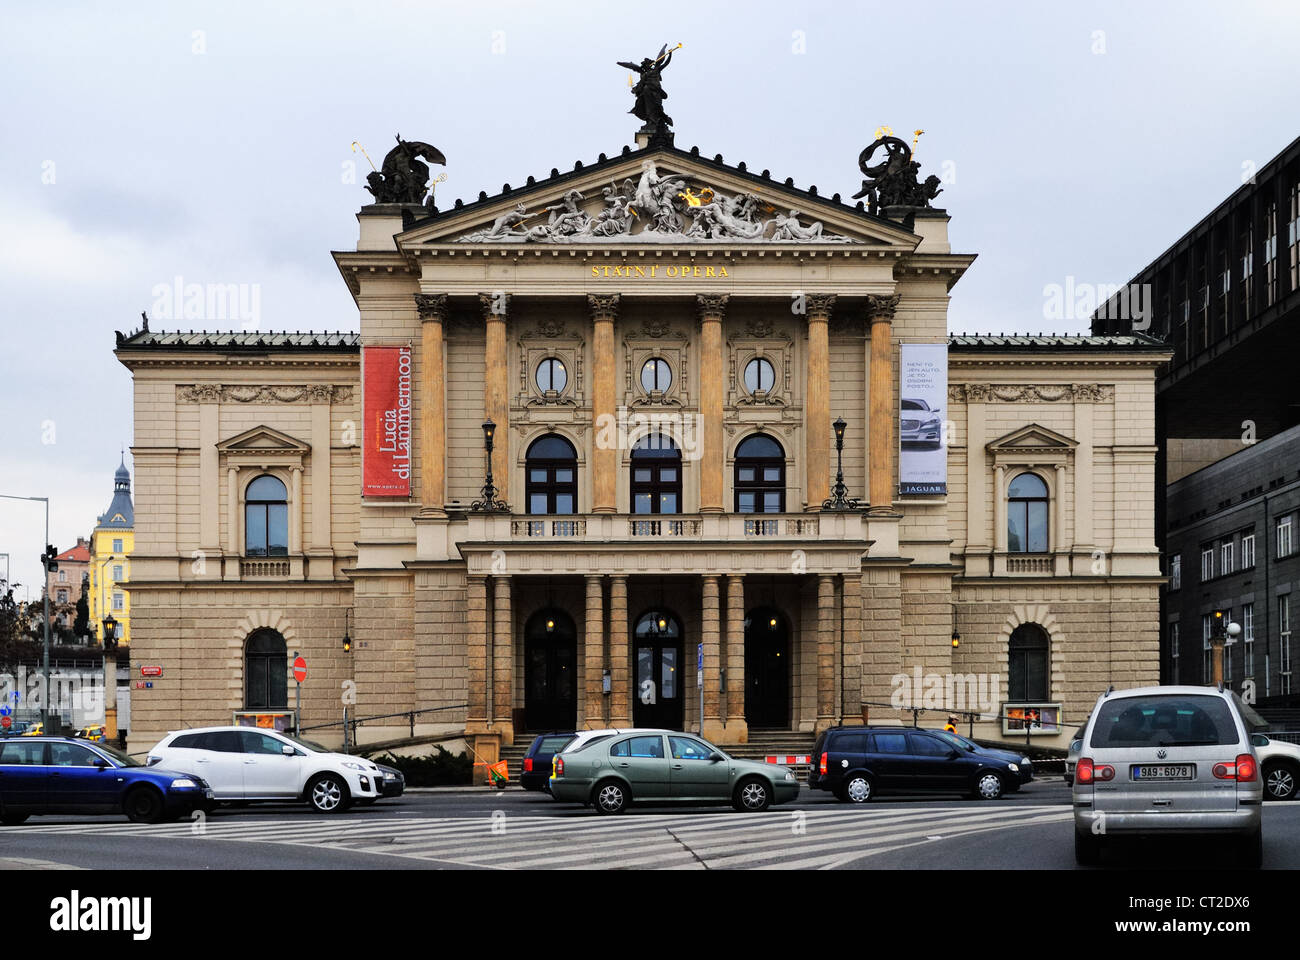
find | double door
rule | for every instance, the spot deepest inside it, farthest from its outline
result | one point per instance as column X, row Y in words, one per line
column 657, row 695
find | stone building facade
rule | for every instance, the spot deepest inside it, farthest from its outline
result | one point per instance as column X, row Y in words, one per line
column 665, row 466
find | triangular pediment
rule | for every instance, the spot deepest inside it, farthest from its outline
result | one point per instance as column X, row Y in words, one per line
column 263, row 439
column 658, row 197
column 1032, row 437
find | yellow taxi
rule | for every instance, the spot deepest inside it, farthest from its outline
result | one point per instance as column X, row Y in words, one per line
column 35, row 730
column 94, row 731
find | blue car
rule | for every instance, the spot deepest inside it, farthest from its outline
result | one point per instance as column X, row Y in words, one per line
column 44, row 775
column 536, row 774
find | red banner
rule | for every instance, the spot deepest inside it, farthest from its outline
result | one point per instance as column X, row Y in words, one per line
column 386, row 463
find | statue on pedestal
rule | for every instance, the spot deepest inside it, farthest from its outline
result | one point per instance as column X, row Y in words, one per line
column 403, row 178
column 895, row 181
column 650, row 95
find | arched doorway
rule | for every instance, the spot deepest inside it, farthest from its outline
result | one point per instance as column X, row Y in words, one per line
column 767, row 669
column 550, row 671
column 266, row 672
column 657, row 693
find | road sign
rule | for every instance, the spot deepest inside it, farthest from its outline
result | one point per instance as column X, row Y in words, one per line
column 4, row 711
column 151, row 671
column 300, row 669
column 16, row 696
column 6, row 722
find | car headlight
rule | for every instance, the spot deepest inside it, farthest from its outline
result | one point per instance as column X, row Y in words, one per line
column 789, row 775
column 184, row 783
column 353, row 766
column 1013, row 768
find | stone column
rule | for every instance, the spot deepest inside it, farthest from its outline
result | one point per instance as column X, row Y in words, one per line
column 233, row 546
column 711, row 637
column 712, row 307
column 826, row 617
column 432, row 308
column 503, row 659
column 851, row 656
column 1060, row 542
column 880, row 404
column 496, row 391
column 594, row 653
column 604, row 458
column 620, row 655
column 476, row 655
column 737, row 726
column 1000, row 509
column 817, row 401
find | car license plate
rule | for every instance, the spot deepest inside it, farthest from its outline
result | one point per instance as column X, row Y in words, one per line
column 1163, row 771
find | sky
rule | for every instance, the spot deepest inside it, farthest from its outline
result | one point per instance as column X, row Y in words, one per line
column 211, row 142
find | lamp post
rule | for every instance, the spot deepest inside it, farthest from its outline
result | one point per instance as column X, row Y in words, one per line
column 488, row 502
column 1223, row 634
column 110, row 677
column 103, row 598
column 838, row 500
column 45, row 669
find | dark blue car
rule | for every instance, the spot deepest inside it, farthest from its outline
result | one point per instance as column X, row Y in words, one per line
column 536, row 774
column 43, row 775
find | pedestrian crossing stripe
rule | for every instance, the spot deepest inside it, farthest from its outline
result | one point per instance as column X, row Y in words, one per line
column 793, row 839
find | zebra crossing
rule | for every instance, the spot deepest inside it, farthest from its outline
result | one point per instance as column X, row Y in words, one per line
column 794, row 839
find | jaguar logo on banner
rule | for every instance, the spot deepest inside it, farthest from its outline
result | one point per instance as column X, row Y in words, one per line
column 386, row 461
column 923, row 391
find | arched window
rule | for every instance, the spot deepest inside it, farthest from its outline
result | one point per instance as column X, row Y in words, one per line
column 656, row 475
column 759, row 375
column 266, row 684
column 551, row 466
column 551, row 375
column 1027, row 656
column 760, row 475
column 1027, row 515
column 266, row 518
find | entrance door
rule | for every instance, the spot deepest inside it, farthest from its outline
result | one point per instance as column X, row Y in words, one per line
column 767, row 669
column 550, row 681
column 657, row 694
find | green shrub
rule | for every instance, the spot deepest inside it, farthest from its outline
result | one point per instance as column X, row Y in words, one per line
column 438, row 769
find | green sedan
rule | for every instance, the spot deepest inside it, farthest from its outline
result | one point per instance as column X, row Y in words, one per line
column 654, row 766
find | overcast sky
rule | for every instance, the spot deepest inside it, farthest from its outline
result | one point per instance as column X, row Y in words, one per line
column 149, row 141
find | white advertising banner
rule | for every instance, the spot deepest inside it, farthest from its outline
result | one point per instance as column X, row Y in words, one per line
column 922, row 441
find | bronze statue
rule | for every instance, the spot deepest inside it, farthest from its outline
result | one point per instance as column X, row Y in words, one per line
column 649, row 91
column 894, row 182
column 403, row 178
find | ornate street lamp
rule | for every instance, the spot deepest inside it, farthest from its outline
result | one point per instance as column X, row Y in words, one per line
column 347, row 640
column 110, row 633
column 488, row 502
column 838, row 500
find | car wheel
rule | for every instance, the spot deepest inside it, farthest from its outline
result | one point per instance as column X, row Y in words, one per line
column 13, row 819
column 1250, row 852
column 857, row 789
column 988, row 786
column 752, row 796
column 144, row 805
column 610, row 796
column 328, row 793
column 1087, row 849
column 1280, row 781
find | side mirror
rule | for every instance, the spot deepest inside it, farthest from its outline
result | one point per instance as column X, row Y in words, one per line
column 714, row 758
column 287, row 750
column 101, row 763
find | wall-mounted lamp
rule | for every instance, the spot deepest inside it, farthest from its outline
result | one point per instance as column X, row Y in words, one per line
column 347, row 640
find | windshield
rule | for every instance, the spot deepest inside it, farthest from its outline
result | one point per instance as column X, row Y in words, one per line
column 957, row 741
column 308, row 744
column 118, row 756
column 1165, row 720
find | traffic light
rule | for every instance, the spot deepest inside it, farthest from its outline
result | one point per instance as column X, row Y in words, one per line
column 48, row 558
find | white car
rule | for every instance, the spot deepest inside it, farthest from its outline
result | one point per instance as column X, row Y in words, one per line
column 1280, row 763
column 246, row 763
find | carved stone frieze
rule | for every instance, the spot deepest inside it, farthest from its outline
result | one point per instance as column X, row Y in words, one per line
column 266, row 393
column 1031, row 392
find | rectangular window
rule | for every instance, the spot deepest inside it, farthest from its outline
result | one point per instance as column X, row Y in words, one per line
column 1270, row 254
column 117, row 572
column 117, row 546
column 1207, row 564
column 1293, row 236
column 63, row 596
column 1284, row 537
column 1248, row 639
column 1176, row 572
column 1247, row 551
column 1284, row 628
column 63, row 576
column 117, row 601
column 1225, row 558
column 1207, row 631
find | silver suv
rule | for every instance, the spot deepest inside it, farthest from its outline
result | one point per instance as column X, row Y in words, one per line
column 1167, row 760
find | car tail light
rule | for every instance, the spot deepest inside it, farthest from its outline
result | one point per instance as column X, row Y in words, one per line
column 821, row 767
column 1242, row 769
column 559, row 766
column 528, row 764
column 1083, row 770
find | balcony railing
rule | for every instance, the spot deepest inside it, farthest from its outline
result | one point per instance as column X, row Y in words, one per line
column 548, row 528
column 1030, row 564
column 688, row 527
column 263, row 568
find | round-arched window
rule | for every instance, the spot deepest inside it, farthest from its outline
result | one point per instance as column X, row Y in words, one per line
column 266, row 518
column 759, row 375
column 266, row 681
column 760, row 475
column 551, row 375
column 656, row 375
column 551, row 472
column 1027, row 514
column 1027, row 663
column 656, row 475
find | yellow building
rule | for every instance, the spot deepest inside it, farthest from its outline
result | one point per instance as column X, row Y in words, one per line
column 110, row 550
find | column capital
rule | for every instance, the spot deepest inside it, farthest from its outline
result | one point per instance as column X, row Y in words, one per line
column 819, row 306
column 431, row 306
column 880, row 309
column 604, row 306
column 712, row 306
column 494, row 305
